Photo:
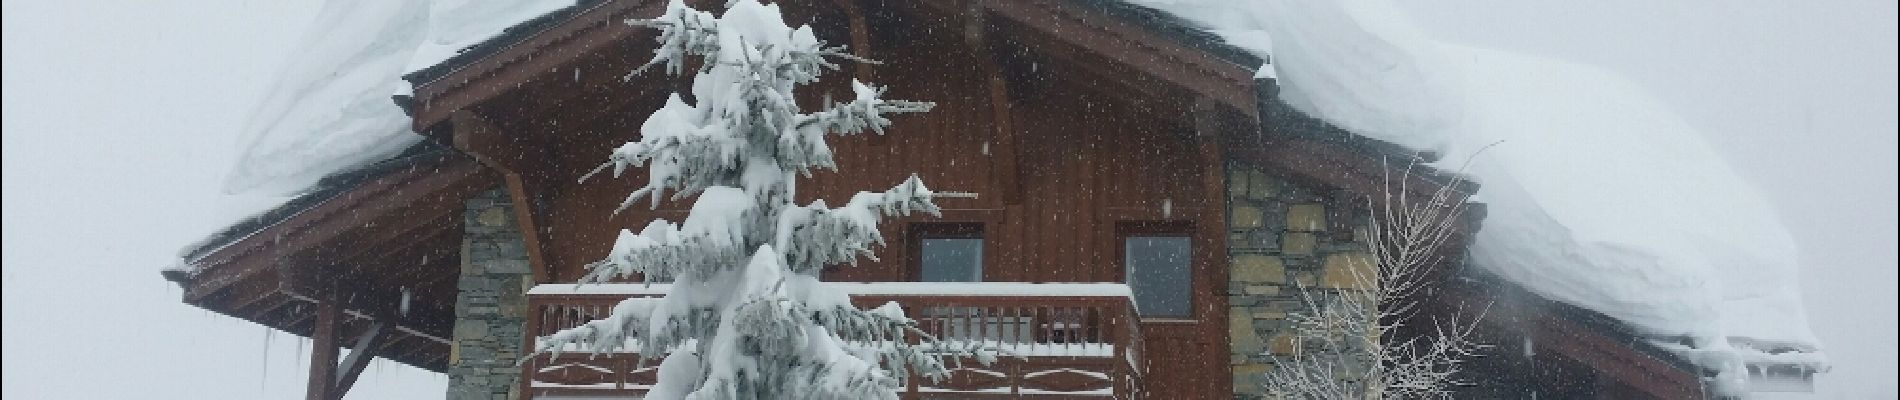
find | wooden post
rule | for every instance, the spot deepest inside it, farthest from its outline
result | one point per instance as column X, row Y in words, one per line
column 1211, row 124
column 860, row 39
column 324, row 351
column 1006, row 173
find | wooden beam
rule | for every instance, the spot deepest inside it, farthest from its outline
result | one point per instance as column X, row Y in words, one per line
column 323, row 352
column 1067, row 62
column 1006, row 172
column 1120, row 42
column 1513, row 311
column 860, row 39
column 1210, row 125
column 401, row 226
column 365, row 349
column 237, row 297
column 484, row 140
column 344, row 213
column 586, row 82
column 419, row 236
column 602, row 107
column 268, row 301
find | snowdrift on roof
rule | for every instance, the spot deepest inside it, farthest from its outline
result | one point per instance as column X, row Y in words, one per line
column 1599, row 195
column 331, row 109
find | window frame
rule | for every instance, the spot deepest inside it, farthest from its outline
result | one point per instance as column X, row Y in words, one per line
column 917, row 232
column 1125, row 230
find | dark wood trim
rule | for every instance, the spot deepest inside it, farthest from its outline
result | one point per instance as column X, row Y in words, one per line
column 1510, row 316
column 332, row 218
column 1230, row 84
column 916, row 232
column 323, row 352
column 1005, row 172
column 485, row 141
column 551, row 50
column 1125, row 229
column 860, row 39
column 366, row 348
column 1093, row 72
column 1211, row 126
column 1166, row 228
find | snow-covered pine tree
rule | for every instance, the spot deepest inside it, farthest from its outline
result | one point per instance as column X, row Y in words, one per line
column 747, row 317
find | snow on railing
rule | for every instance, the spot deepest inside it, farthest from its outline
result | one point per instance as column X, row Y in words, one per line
column 1090, row 330
column 1023, row 289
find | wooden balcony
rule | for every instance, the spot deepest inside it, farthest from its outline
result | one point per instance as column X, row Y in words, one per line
column 1068, row 340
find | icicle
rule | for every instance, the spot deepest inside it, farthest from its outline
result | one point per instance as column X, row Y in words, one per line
column 300, row 343
column 403, row 307
column 263, row 374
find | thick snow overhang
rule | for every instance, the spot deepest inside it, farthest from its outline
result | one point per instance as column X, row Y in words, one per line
column 267, row 268
column 364, row 237
column 1523, row 325
column 1527, row 330
column 1142, row 48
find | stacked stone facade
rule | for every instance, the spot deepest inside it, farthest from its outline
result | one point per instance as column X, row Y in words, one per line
column 491, row 303
column 1282, row 236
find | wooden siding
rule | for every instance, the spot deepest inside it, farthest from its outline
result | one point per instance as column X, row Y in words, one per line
column 1085, row 161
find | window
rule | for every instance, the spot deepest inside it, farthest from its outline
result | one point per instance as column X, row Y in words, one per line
column 949, row 252
column 953, row 252
column 1156, row 267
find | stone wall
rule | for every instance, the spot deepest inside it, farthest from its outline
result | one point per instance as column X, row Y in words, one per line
column 1282, row 236
column 491, row 303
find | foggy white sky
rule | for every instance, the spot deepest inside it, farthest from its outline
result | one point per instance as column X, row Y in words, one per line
column 120, row 120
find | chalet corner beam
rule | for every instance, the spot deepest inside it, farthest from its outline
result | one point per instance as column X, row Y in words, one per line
column 485, row 141
column 1006, row 173
column 1229, row 84
column 328, row 379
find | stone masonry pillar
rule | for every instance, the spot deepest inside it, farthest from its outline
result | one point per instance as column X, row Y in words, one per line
column 490, row 306
column 1282, row 238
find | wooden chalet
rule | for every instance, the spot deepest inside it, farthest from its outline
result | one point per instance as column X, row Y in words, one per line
column 1120, row 153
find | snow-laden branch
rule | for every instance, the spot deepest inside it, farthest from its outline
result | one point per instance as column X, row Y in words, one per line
column 814, row 236
column 683, row 31
column 712, row 238
column 745, row 114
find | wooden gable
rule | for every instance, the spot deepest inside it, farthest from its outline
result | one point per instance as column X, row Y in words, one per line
column 1075, row 121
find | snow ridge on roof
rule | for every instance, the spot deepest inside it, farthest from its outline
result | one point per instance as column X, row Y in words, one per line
column 508, row 37
column 1599, row 196
column 329, row 187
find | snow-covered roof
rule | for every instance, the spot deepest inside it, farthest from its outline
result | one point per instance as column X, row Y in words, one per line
column 333, row 109
column 325, row 189
column 298, row 142
column 1600, row 197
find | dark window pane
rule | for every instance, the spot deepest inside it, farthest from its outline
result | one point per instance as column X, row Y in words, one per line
column 952, row 260
column 1157, row 271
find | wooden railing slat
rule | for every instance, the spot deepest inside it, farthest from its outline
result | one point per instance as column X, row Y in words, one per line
column 1056, row 332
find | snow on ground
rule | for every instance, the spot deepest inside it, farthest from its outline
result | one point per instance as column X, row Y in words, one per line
column 331, row 108
column 1598, row 194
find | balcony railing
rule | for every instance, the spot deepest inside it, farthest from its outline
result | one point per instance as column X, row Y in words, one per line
column 1061, row 340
